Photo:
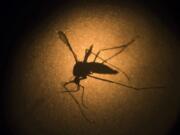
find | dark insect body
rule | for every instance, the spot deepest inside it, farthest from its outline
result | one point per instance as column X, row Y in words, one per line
column 84, row 69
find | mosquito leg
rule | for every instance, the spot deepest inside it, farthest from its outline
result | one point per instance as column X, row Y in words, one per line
column 113, row 55
column 96, row 56
column 82, row 97
column 123, row 47
column 124, row 85
column 73, row 90
column 79, row 106
column 78, row 88
column 67, row 83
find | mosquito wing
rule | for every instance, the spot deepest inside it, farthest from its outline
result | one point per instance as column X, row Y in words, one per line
column 64, row 38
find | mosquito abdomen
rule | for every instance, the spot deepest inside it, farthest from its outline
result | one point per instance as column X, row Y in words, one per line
column 101, row 68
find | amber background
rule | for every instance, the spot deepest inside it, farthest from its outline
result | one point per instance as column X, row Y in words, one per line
column 41, row 63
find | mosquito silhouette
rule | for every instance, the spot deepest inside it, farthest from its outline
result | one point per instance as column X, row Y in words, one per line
column 84, row 69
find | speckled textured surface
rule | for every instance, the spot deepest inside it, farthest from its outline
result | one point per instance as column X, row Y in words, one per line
column 44, row 63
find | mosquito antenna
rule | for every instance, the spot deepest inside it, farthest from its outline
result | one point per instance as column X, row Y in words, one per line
column 118, row 83
column 112, row 65
column 64, row 38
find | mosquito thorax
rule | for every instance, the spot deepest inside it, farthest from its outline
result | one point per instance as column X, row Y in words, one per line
column 81, row 69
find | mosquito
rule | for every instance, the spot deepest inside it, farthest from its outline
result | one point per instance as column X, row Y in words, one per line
column 84, row 69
